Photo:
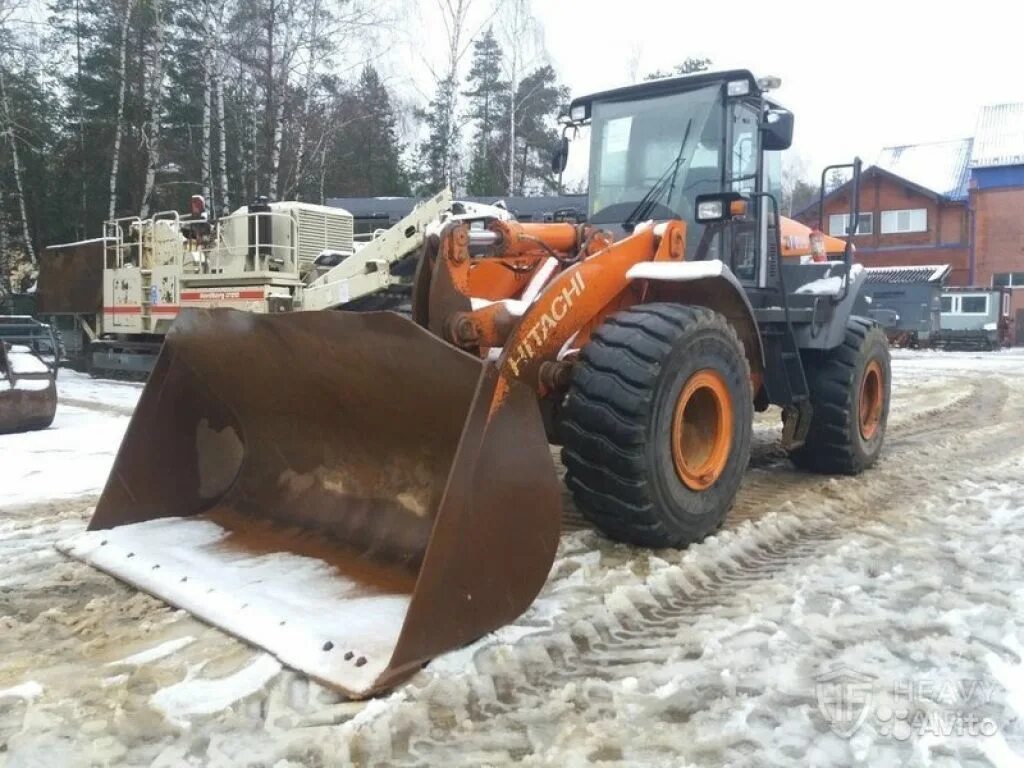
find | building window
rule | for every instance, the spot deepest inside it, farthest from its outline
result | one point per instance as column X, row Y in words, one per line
column 839, row 223
column 1008, row 280
column 910, row 220
column 974, row 305
column 968, row 304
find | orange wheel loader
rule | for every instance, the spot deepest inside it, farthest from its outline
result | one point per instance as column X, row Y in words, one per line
column 357, row 493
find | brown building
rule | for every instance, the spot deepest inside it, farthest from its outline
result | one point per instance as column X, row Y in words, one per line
column 997, row 198
column 955, row 202
column 913, row 209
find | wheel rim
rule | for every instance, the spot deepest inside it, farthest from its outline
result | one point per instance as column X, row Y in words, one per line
column 871, row 400
column 702, row 426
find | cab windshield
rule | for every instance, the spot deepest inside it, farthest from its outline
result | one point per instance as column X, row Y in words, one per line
column 675, row 140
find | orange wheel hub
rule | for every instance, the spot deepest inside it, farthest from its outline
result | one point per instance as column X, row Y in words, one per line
column 702, row 427
column 871, row 400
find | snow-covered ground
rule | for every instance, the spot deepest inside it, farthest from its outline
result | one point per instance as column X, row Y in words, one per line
column 876, row 620
column 72, row 457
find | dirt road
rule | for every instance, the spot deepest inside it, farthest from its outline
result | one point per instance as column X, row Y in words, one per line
column 719, row 654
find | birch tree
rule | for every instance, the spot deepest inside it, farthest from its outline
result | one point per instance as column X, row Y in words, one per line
column 19, row 187
column 218, row 33
column 439, row 154
column 279, row 69
column 5, row 259
column 523, row 43
column 126, row 13
column 222, row 132
column 206, row 170
column 210, row 22
column 7, row 12
column 307, row 98
column 153, row 105
column 80, row 115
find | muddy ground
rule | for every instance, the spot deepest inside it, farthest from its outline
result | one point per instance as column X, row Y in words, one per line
column 704, row 657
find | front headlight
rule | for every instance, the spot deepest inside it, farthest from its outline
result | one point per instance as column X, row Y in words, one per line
column 710, row 210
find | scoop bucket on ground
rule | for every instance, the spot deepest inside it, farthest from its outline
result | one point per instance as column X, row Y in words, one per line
column 333, row 487
column 28, row 390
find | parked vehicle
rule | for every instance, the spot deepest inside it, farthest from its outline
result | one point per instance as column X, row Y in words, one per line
column 116, row 297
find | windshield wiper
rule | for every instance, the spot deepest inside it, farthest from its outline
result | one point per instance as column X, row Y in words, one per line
column 667, row 178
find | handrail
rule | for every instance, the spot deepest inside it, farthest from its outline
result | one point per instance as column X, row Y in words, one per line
column 854, row 222
column 115, row 228
column 261, row 250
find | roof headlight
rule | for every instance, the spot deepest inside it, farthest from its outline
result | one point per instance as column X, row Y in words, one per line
column 738, row 87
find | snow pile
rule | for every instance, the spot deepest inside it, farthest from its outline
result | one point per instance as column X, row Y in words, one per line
column 202, row 696
column 28, row 691
column 23, row 361
column 156, row 653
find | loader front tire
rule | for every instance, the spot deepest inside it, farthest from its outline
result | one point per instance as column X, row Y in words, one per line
column 850, row 387
column 656, row 424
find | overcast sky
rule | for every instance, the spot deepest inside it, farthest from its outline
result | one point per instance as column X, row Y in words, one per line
column 859, row 75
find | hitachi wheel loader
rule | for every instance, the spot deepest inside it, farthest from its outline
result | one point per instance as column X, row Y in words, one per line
column 359, row 492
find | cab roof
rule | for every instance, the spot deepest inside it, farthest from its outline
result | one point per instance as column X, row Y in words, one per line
column 666, row 86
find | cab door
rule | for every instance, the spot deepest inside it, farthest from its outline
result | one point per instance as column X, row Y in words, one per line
column 743, row 170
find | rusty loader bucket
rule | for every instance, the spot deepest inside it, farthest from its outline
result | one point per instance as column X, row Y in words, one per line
column 333, row 487
column 28, row 390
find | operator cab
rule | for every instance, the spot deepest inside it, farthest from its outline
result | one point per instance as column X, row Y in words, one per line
column 658, row 146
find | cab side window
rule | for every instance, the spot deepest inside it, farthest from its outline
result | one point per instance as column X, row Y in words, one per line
column 744, row 147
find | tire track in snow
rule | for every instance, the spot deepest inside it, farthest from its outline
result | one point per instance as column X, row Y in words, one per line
column 629, row 608
column 93, row 405
column 490, row 715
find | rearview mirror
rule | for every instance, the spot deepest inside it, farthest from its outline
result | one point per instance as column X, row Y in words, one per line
column 778, row 129
column 560, row 157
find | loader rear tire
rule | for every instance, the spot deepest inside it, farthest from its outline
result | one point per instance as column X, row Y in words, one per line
column 656, row 424
column 850, row 388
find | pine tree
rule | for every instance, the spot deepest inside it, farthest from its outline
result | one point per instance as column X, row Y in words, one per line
column 377, row 134
column 367, row 151
column 438, row 154
column 539, row 98
column 488, row 105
